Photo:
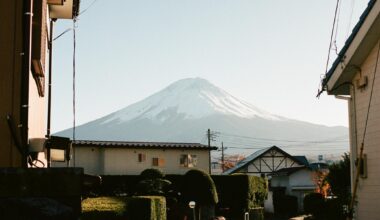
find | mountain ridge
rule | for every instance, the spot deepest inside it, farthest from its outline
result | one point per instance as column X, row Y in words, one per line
column 184, row 110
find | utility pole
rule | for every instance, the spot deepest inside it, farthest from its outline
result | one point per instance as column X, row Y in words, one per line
column 209, row 151
column 222, row 158
column 209, row 137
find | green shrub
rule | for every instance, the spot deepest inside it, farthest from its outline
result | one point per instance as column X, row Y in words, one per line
column 198, row 186
column 152, row 174
column 103, row 208
column 153, row 183
column 313, row 203
column 118, row 184
column 239, row 193
column 146, row 208
column 256, row 214
column 334, row 210
column 284, row 205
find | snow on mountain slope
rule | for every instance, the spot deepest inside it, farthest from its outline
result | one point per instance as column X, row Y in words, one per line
column 191, row 98
column 183, row 111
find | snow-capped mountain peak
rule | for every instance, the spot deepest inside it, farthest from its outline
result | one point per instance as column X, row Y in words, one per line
column 191, row 98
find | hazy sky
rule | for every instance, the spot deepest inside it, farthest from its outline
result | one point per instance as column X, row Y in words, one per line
column 269, row 53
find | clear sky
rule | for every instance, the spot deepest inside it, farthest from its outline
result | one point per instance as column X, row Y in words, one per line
column 269, row 53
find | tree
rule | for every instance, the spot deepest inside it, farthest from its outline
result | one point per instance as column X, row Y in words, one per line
column 339, row 179
column 153, row 183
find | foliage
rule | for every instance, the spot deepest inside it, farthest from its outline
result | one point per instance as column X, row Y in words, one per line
column 319, row 178
column 199, row 187
column 152, row 174
column 146, row 208
column 339, row 179
column 152, row 183
column 114, row 185
column 239, row 193
column 103, row 208
column 284, row 205
column 313, row 203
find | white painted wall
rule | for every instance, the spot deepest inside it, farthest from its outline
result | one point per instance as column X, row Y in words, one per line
column 123, row 161
column 369, row 188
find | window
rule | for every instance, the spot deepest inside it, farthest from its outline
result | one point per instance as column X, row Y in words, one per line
column 39, row 41
column 141, row 157
column 188, row 160
column 158, row 162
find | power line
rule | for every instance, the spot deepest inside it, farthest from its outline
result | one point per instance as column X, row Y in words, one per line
column 90, row 5
column 332, row 35
column 282, row 140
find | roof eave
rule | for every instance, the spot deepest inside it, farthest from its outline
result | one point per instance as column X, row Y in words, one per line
column 364, row 36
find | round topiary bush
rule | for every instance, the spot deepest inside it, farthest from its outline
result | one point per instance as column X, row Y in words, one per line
column 198, row 186
column 152, row 174
column 152, row 183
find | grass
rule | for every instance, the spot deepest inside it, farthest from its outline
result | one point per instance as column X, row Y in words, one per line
column 103, row 208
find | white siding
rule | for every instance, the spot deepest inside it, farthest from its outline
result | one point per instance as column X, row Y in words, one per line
column 123, row 161
column 369, row 188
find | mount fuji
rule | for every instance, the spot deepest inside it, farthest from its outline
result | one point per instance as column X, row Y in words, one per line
column 183, row 111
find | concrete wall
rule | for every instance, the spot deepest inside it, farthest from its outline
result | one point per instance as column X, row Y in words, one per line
column 123, row 161
column 369, row 188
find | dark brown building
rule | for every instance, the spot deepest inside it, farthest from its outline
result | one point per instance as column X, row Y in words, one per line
column 24, row 62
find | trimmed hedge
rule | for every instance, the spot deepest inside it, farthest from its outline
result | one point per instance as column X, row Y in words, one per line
column 314, row 203
column 103, row 208
column 239, row 194
column 198, row 186
column 146, row 208
column 152, row 174
column 284, row 205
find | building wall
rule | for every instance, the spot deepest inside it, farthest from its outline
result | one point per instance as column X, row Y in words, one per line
column 11, row 61
column 369, row 188
column 122, row 161
column 302, row 178
column 10, row 77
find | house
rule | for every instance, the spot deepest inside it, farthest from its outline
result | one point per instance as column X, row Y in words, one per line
column 24, row 52
column 355, row 77
column 122, row 157
column 294, row 181
column 266, row 161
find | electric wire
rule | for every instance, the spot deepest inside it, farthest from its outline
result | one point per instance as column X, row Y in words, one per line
column 358, row 168
column 74, row 88
column 89, row 6
column 332, row 35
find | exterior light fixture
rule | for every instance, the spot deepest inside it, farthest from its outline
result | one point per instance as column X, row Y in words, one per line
column 192, row 206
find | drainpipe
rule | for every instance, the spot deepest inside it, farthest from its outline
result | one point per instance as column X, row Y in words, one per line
column 26, row 63
column 48, row 156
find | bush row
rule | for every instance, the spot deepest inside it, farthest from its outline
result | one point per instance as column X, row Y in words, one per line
column 117, row 208
column 237, row 193
column 321, row 208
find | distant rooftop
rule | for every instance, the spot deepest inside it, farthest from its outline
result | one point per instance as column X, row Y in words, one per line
column 145, row 145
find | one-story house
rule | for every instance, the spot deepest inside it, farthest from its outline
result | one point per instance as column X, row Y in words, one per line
column 124, row 157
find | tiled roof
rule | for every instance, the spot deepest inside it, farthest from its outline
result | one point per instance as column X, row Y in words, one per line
column 146, row 145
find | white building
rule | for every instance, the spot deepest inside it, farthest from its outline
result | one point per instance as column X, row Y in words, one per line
column 131, row 158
